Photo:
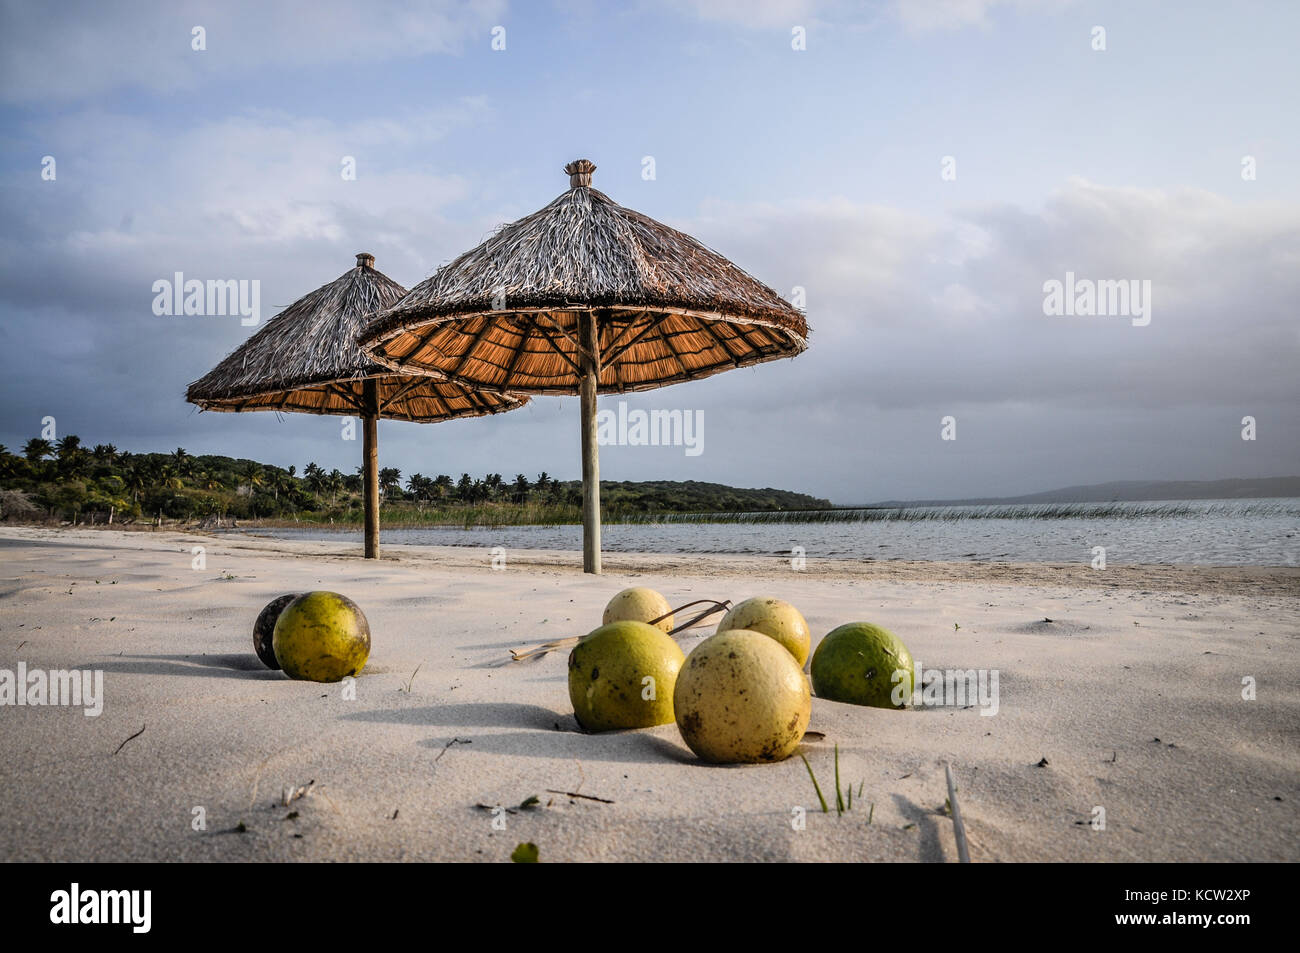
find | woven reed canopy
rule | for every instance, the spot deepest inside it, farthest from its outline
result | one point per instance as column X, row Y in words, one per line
column 505, row 315
column 307, row 360
column 585, row 296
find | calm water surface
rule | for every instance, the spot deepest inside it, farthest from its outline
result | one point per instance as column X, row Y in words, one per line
column 1216, row 532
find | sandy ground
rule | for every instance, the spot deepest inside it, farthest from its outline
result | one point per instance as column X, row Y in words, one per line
column 1132, row 654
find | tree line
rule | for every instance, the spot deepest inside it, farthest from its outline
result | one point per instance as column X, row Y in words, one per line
column 66, row 480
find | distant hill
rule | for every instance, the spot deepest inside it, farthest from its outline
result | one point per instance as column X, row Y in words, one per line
column 687, row 496
column 1124, row 491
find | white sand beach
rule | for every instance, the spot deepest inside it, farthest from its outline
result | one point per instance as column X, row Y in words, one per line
column 443, row 722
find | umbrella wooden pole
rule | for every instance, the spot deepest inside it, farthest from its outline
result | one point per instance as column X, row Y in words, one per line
column 590, row 457
column 370, row 467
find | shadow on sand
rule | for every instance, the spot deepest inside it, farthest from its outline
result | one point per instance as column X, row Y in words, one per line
column 546, row 734
column 246, row 666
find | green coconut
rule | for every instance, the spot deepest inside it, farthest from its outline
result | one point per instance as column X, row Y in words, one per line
column 857, row 662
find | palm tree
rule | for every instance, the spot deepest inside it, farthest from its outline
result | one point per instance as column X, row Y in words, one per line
column 105, row 453
column 252, row 473
column 314, row 478
column 135, row 479
column 182, row 461
column 71, row 455
column 390, row 478
column 37, row 450
column 68, row 445
column 420, row 486
column 335, row 483
column 206, row 480
column 521, row 488
column 442, row 485
column 169, row 478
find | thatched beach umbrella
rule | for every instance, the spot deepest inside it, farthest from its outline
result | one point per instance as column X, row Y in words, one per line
column 306, row 360
column 585, row 296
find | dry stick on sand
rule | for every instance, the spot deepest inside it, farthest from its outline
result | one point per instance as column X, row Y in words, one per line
column 958, row 828
column 134, row 736
column 585, row 797
column 547, row 647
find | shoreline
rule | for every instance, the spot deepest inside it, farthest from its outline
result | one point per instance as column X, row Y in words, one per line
column 1164, row 577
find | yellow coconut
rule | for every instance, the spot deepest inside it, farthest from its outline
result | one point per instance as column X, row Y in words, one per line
column 741, row 697
column 321, row 637
column 639, row 604
column 622, row 675
column 773, row 618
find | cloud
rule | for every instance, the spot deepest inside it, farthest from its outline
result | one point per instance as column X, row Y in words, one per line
column 914, row 316
column 927, row 15
column 909, row 311
column 75, row 51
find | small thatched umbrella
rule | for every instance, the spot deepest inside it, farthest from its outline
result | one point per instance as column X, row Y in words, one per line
column 585, row 296
column 306, row 360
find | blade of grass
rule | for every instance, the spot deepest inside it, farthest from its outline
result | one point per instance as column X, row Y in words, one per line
column 816, row 786
column 839, row 795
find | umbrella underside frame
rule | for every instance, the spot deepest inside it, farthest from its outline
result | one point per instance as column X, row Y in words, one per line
column 539, row 351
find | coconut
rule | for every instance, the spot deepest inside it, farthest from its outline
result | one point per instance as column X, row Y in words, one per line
column 863, row 664
column 773, row 618
column 622, row 675
column 741, row 697
column 322, row 637
column 639, row 604
column 264, row 629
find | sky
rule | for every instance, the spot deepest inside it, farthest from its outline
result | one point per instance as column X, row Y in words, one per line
column 917, row 173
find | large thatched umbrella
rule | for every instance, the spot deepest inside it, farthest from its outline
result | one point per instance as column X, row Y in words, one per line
column 585, row 296
column 306, row 360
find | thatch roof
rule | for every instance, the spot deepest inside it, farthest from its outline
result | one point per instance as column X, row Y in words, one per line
column 306, row 360
column 504, row 315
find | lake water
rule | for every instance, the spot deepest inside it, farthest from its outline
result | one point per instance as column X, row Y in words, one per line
column 1206, row 532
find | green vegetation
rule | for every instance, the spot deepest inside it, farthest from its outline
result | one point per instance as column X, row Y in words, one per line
column 66, row 481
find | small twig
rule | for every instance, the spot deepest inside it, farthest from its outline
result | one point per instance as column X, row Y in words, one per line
column 714, row 607
column 454, row 741
column 134, row 736
column 547, row 647
column 958, row 828
column 585, row 797
column 291, row 792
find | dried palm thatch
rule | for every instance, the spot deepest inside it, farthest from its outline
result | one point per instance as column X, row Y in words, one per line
column 306, row 360
column 506, row 315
